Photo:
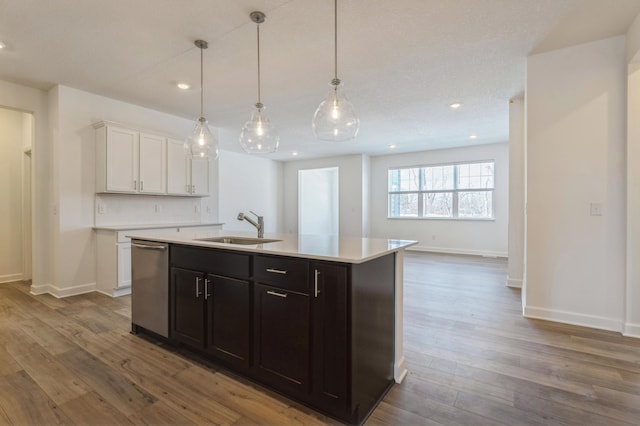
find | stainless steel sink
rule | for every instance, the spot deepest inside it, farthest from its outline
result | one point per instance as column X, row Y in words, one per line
column 237, row 240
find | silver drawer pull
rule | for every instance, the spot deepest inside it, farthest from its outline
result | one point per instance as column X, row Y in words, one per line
column 146, row 246
column 275, row 293
column 277, row 271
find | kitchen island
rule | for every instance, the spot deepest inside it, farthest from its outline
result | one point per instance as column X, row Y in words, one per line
column 316, row 318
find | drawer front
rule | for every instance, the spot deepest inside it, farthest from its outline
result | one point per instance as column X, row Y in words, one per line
column 211, row 261
column 291, row 274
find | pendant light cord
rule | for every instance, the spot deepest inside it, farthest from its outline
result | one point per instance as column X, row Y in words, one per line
column 258, row 37
column 201, row 84
column 335, row 39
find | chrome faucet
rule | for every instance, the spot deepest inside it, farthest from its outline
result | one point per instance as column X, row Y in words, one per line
column 259, row 226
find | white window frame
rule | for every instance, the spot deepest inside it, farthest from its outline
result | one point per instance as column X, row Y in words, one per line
column 454, row 191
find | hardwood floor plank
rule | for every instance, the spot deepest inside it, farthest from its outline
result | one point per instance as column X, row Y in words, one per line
column 158, row 413
column 126, row 396
column 22, row 402
column 58, row 382
column 92, row 409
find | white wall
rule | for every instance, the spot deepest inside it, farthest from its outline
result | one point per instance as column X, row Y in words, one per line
column 515, row 268
column 352, row 209
column 12, row 220
column 73, row 113
column 575, row 103
column 35, row 101
column 250, row 182
column 632, row 294
column 443, row 235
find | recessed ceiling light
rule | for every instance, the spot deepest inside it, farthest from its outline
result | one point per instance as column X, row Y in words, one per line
column 455, row 105
column 2, row 45
column 473, row 136
column 183, row 86
column 392, row 146
column 294, row 153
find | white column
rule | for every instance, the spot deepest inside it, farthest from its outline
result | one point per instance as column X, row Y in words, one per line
column 399, row 366
column 516, row 193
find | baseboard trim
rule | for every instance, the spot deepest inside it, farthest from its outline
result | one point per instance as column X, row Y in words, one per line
column 62, row 292
column 573, row 318
column 514, row 283
column 484, row 253
column 11, row 278
column 117, row 292
column 631, row 330
column 400, row 370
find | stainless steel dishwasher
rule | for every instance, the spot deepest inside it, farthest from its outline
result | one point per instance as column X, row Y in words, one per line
column 150, row 286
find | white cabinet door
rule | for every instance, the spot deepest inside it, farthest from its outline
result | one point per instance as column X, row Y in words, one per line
column 199, row 176
column 153, row 164
column 122, row 160
column 178, row 179
column 124, row 265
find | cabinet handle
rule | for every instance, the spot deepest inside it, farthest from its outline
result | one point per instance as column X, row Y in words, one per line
column 316, row 292
column 198, row 287
column 147, row 246
column 193, row 189
column 141, row 185
column 206, row 289
column 135, row 185
column 277, row 271
column 275, row 293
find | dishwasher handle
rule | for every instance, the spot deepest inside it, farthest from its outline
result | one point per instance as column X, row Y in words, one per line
column 148, row 246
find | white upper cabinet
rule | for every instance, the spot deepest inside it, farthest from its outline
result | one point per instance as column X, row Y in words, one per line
column 121, row 149
column 178, row 180
column 186, row 176
column 200, row 176
column 153, row 164
column 131, row 161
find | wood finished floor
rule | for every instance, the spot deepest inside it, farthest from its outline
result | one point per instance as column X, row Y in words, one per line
column 473, row 360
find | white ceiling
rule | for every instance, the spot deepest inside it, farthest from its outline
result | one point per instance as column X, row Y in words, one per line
column 402, row 61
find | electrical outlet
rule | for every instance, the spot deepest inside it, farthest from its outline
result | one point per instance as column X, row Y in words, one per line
column 596, row 209
column 208, row 209
column 196, row 208
column 101, row 208
column 157, row 208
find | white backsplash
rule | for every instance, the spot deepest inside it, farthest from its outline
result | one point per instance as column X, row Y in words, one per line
column 120, row 209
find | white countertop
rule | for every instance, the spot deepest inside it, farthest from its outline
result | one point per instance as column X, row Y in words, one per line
column 321, row 247
column 156, row 226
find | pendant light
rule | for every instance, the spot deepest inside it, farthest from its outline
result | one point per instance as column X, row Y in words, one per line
column 335, row 119
column 201, row 143
column 258, row 136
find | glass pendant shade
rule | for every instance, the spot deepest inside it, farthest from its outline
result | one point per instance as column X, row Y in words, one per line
column 202, row 143
column 335, row 119
column 258, row 135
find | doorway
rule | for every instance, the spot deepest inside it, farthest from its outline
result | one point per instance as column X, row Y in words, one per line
column 318, row 205
column 16, row 134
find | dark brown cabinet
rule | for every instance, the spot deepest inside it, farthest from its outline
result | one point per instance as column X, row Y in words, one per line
column 330, row 362
column 318, row 331
column 187, row 307
column 228, row 320
column 211, row 311
column 282, row 338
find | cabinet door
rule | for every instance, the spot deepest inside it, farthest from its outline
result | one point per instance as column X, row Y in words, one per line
column 153, row 164
column 330, row 322
column 281, row 338
column 177, row 168
column 124, row 265
column 199, row 176
column 187, row 307
column 122, row 160
column 228, row 319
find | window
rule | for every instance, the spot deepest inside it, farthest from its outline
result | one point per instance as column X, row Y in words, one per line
column 462, row 191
